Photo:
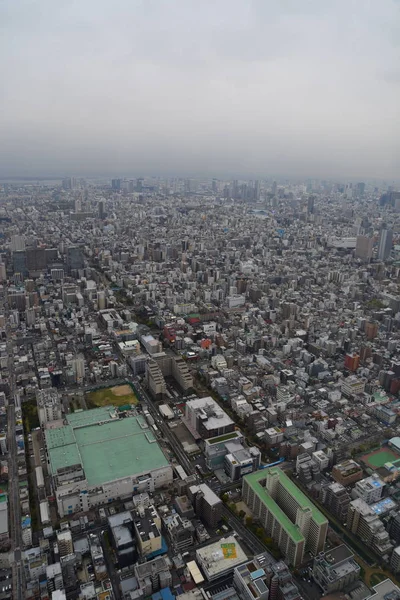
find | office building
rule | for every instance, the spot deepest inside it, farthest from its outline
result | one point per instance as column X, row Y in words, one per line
column 116, row 184
column 335, row 570
column 207, row 418
column 241, row 461
column 385, row 244
column 287, row 515
column 75, row 260
column 206, row 504
column 17, row 243
column 364, row 247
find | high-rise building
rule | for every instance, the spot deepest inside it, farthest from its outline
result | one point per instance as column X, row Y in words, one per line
column 116, row 184
column 75, row 259
column 385, row 244
column 310, row 205
column 17, row 243
column 286, row 513
column 363, row 522
column 364, row 246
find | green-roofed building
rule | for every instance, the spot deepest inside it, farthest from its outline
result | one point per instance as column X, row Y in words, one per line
column 287, row 515
column 98, row 457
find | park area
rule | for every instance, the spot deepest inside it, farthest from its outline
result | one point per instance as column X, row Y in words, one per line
column 120, row 395
column 378, row 458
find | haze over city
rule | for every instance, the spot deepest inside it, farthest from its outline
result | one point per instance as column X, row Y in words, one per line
column 229, row 88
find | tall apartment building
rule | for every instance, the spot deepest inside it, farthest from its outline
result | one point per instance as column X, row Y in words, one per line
column 363, row 522
column 288, row 516
column 155, row 379
column 337, row 499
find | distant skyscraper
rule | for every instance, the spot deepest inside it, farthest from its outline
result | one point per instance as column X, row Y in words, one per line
column 274, row 187
column 116, row 184
column 364, row 245
column 360, row 188
column 69, row 183
column 102, row 209
column 75, row 259
column 385, row 244
column 310, row 205
column 17, row 243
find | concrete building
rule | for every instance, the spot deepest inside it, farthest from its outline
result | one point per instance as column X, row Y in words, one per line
column 49, row 405
column 337, row 499
column 347, row 472
column 147, row 527
column 363, row 522
column 64, row 542
column 206, row 503
column 335, row 569
column 286, row 513
column 219, row 559
column 369, row 489
column 99, row 456
column 152, row 576
column 395, row 560
column 261, row 579
column 155, row 379
column 385, row 244
column 207, row 418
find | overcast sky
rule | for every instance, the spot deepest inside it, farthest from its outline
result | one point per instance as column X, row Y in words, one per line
column 218, row 87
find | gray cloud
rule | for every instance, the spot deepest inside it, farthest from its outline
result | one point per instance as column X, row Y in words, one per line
column 262, row 87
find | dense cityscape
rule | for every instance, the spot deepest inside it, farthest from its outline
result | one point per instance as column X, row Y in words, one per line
column 199, row 393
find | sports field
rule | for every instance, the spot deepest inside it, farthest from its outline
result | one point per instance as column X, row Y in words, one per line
column 378, row 458
column 119, row 395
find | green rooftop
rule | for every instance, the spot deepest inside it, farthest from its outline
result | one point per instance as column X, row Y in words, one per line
column 293, row 530
column 223, row 438
column 108, row 448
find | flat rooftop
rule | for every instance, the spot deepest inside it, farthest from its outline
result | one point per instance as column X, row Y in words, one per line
column 107, row 447
column 255, row 479
column 222, row 555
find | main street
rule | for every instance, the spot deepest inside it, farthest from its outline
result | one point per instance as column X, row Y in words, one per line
column 13, row 490
column 163, row 427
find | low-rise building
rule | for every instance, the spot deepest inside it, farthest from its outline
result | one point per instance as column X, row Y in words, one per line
column 335, row 569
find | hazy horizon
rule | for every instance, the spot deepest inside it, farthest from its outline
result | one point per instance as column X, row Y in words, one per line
column 229, row 88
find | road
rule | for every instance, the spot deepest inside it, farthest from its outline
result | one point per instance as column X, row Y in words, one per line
column 163, row 427
column 13, row 490
column 251, row 540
